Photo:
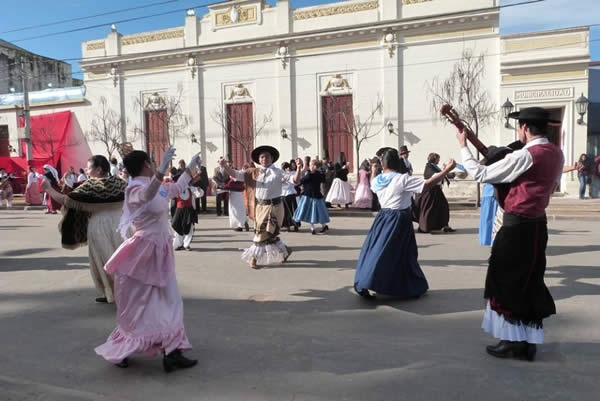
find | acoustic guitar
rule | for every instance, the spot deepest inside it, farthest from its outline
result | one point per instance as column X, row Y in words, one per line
column 491, row 154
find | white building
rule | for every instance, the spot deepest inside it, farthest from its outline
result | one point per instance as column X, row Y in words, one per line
column 247, row 64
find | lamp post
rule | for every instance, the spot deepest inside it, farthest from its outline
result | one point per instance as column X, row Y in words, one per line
column 284, row 134
column 507, row 108
column 390, row 127
column 582, row 106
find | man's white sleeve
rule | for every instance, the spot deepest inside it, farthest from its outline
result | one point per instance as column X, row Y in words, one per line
column 502, row 172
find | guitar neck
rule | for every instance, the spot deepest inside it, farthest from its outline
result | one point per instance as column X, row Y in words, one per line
column 476, row 142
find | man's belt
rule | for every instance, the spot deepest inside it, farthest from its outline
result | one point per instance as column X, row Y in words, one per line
column 274, row 201
column 510, row 219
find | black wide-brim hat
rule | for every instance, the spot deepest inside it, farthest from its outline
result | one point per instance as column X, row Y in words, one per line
column 533, row 114
column 404, row 149
column 381, row 151
column 265, row 149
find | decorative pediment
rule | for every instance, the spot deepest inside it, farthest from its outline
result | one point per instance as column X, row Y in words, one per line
column 238, row 93
column 337, row 84
column 236, row 12
column 154, row 101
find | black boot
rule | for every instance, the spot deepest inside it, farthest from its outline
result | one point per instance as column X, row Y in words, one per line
column 123, row 364
column 246, row 226
column 175, row 360
column 508, row 349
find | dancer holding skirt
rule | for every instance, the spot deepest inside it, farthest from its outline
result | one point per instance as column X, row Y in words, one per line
column 388, row 259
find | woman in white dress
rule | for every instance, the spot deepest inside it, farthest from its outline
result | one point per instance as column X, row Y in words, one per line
column 339, row 193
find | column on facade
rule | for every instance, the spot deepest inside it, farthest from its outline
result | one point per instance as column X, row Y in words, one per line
column 392, row 94
column 195, row 140
column 285, row 99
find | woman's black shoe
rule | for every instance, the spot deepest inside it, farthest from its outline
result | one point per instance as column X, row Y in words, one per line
column 364, row 293
column 101, row 300
column 312, row 231
column 246, row 226
column 175, row 360
column 448, row 229
column 123, row 364
column 238, row 229
column 324, row 229
column 295, row 228
column 179, row 248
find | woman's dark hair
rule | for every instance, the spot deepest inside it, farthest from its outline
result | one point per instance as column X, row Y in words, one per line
column 134, row 162
column 100, row 161
column 173, row 171
column 582, row 156
column 285, row 165
column 365, row 165
column 81, row 171
column 391, row 161
column 432, row 157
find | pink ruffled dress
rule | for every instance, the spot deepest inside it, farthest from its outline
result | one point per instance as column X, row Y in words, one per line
column 149, row 307
column 363, row 196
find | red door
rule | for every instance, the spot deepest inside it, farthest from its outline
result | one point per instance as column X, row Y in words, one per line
column 240, row 133
column 157, row 137
column 337, row 126
column 4, row 141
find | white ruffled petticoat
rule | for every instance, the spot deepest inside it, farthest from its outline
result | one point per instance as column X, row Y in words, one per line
column 495, row 324
column 266, row 254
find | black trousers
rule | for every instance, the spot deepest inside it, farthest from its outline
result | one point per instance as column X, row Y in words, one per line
column 203, row 201
column 223, row 209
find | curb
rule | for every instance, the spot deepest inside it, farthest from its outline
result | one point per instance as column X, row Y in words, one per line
column 363, row 214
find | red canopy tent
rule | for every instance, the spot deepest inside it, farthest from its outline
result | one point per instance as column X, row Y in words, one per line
column 17, row 166
column 57, row 140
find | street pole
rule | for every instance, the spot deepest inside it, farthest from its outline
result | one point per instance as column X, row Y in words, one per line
column 27, row 117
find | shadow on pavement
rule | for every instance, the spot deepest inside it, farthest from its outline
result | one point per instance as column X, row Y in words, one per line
column 50, row 263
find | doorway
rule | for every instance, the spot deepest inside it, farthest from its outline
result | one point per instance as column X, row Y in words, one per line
column 338, row 122
column 240, row 133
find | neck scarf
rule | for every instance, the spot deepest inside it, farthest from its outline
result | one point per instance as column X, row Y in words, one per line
column 383, row 180
column 94, row 194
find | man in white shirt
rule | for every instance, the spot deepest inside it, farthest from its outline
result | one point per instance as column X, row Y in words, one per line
column 263, row 190
column 114, row 169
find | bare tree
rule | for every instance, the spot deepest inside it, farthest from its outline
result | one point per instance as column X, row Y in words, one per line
column 107, row 128
column 463, row 90
column 233, row 127
column 351, row 123
column 169, row 111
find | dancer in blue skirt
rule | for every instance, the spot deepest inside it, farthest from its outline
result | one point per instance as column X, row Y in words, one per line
column 388, row 260
column 311, row 206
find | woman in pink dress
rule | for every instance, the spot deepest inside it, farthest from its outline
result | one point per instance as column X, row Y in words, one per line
column 52, row 175
column 32, row 191
column 363, row 198
column 149, row 307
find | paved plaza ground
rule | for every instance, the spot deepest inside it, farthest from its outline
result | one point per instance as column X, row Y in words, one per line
column 297, row 331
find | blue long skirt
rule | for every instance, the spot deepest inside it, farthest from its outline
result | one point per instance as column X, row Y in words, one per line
column 311, row 210
column 487, row 216
column 388, row 260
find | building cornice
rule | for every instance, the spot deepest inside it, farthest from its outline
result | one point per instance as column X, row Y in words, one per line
column 413, row 25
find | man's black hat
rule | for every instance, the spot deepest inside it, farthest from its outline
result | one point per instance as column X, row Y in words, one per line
column 533, row 114
column 404, row 149
column 381, row 151
column 265, row 149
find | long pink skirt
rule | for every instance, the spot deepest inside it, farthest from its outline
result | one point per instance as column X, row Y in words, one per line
column 32, row 195
column 149, row 320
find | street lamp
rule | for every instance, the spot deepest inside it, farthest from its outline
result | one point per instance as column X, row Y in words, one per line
column 390, row 127
column 507, row 108
column 582, row 106
column 283, row 133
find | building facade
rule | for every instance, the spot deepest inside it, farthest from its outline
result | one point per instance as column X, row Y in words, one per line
column 304, row 80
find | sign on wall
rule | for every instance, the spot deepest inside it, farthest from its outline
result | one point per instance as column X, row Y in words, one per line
column 535, row 94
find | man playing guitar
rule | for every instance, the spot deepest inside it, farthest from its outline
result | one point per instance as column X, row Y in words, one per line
column 517, row 297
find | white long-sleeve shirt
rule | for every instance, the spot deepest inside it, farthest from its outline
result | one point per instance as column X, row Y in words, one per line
column 506, row 170
column 269, row 182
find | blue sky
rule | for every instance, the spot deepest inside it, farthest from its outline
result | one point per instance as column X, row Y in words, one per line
column 548, row 14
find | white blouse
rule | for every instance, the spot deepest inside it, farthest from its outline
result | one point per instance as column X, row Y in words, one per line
column 398, row 193
column 288, row 187
column 269, row 182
